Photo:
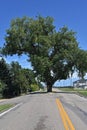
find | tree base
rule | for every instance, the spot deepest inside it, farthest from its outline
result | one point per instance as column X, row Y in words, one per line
column 49, row 89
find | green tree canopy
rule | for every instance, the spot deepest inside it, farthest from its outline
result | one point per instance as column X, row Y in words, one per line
column 5, row 77
column 15, row 80
column 53, row 54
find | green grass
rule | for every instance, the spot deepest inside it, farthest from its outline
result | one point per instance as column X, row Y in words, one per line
column 79, row 91
column 83, row 93
column 67, row 89
column 5, row 107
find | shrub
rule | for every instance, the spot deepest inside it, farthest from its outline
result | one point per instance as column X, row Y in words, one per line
column 34, row 87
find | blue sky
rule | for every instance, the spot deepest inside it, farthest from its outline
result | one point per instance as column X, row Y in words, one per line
column 72, row 13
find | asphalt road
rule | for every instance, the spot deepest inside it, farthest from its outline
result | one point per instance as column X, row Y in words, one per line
column 40, row 111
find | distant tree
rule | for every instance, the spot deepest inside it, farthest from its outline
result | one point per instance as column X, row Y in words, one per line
column 30, row 77
column 5, row 77
column 21, row 78
column 15, row 69
column 2, row 86
column 4, row 71
column 52, row 54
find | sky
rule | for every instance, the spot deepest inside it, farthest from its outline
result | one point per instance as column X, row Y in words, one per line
column 72, row 13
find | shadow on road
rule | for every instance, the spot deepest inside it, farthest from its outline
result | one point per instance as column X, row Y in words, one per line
column 53, row 92
column 38, row 92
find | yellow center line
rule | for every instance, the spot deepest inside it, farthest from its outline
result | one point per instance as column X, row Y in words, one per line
column 65, row 118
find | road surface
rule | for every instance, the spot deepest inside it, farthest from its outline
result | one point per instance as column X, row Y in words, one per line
column 43, row 111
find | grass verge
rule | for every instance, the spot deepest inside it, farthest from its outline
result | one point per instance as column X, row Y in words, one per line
column 79, row 91
column 83, row 93
column 67, row 89
column 5, row 107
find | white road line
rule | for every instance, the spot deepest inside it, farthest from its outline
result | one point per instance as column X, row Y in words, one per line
column 5, row 112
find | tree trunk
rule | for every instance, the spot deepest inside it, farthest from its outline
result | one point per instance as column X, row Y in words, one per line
column 49, row 88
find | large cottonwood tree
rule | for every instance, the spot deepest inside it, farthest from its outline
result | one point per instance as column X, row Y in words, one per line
column 53, row 54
